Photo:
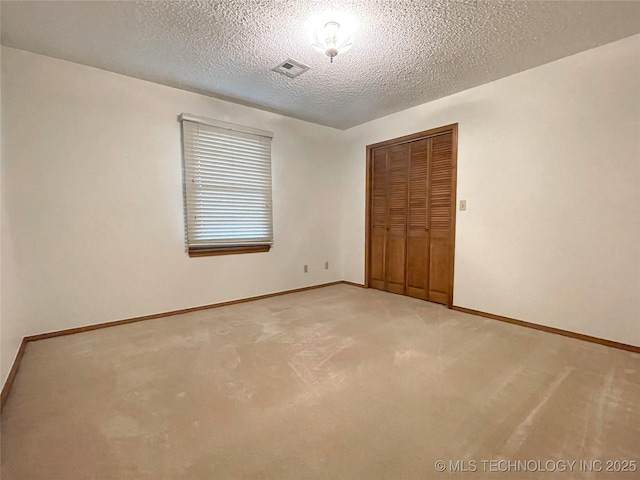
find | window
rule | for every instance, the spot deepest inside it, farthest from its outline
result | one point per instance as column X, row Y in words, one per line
column 227, row 187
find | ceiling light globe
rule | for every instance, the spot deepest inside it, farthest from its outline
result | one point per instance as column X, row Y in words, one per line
column 332, row 39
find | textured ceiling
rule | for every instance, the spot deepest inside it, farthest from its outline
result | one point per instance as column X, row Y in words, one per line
column 406, row 52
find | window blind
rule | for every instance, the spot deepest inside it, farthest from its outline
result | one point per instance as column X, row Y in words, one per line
column 227, row 184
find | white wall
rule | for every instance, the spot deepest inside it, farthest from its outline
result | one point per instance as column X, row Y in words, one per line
column 92, row 226
column 549, row 163
column 92, row 213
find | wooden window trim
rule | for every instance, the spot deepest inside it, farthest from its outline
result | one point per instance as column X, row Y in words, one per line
column 210, row 252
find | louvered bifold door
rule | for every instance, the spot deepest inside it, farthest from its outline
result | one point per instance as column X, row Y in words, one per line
column 379, row 211
column 417, row 220
column 398, row 159
column 440, row 218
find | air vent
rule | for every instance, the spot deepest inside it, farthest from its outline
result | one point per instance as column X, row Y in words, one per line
column 291, row 68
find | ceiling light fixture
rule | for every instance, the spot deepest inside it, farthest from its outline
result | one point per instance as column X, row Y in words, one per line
column 331, row 34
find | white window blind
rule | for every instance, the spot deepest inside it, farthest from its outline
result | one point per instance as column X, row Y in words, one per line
column 227, row 184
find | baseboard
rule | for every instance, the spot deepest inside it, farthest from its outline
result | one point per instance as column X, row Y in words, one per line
column 6, row 388
column 71, row 331
column 556, row 331
column 114, row 323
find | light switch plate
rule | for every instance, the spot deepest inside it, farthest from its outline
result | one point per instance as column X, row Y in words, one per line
column 463, row 205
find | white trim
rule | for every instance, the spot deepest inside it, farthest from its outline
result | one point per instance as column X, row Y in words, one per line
column 226, row 125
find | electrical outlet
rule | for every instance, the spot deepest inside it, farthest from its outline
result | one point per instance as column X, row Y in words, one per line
column 326, row 265
column 306, row 268
column 463, row 205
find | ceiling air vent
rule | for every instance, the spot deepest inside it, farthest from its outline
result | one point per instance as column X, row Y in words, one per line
column 291, row 68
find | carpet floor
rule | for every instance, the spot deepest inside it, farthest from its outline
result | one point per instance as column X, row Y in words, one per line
column 333, row 383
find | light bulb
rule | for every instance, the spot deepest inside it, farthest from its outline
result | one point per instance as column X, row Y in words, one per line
column 331, row 37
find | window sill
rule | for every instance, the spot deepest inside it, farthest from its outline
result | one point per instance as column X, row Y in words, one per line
column 203, row 252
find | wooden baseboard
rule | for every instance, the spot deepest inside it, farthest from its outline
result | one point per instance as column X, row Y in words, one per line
column 71, row 331
column 114, row 323
column 31, row 338
column 544, row 328
column 6, row 388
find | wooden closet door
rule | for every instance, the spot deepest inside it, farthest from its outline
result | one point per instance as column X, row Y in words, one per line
column 440, row 218
column 411, row 214
column 379, row 213
column 398, row 160
column 417, row 220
